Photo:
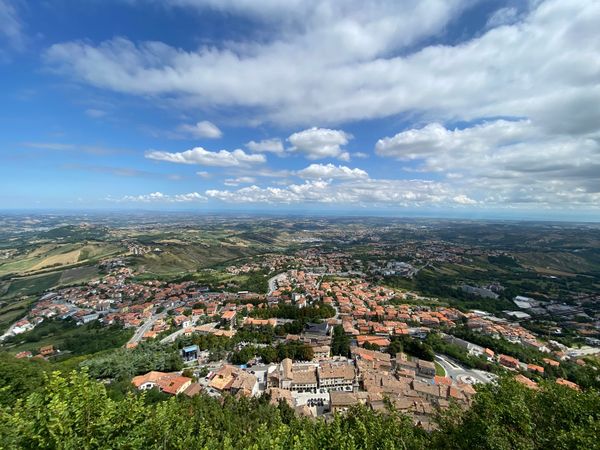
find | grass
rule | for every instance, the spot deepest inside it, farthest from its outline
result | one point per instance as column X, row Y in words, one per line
column 78, row 275
column 439, row 370
column 176, row 259
column 46, row 256
column 58, row 260
column 32, row 285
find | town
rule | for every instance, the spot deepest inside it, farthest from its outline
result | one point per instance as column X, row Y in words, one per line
column 327, row 335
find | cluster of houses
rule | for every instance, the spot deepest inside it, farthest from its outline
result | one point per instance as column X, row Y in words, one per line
column 315, row 388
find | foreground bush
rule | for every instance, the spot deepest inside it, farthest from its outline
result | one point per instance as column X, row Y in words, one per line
column 75, row 412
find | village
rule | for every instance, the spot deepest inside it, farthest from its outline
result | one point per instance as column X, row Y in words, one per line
column 369, row 319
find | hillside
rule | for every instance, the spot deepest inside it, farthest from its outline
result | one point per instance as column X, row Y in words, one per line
column 76, row 412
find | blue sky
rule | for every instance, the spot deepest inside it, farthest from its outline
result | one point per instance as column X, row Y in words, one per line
column 462, row 108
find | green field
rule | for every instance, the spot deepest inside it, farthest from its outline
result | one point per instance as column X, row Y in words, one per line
column 78, row 275
column 32, row 285
column 176, row 259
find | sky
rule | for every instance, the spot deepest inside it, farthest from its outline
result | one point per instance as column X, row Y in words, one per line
column 470, row 108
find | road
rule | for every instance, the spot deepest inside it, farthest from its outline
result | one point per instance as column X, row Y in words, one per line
column 273, row 282
column 146, row 326
column 172, row 337
column 462, row 374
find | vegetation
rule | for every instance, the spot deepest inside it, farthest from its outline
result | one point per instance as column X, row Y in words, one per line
column 340, row 342
column 76, row 412
column 123, row 364
column 68, row 337
column 414, row 347
column 297, row 351
column 314, row 312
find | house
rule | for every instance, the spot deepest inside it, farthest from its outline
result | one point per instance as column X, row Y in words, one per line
column 22, row 326
column 170, row 383
column 551, row 362
column 235, row 381
column 47, row 350
column 321, row 351
column 336, row 376
column 183, row 321
column 379, row 341
column 296, row 377
column 535, row 368
column 426, row 368
column 403, row 361
column 228, row 317
column 341, row 401
column 568, row 384
column 508, row 361
column 526, row 381
column 372, row 359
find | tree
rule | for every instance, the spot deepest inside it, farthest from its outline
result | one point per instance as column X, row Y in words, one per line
column 340, row 342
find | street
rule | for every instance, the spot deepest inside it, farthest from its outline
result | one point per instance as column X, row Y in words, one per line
column 462, row 374
column 146, row 326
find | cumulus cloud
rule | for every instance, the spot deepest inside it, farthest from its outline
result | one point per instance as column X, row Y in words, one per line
column 203, row 129
column 434, row 139
column 505, row 162
column 329, row 171
column 200, row 156
column 320, row 143
column 398, row 193
column 159, row 197
column 354, row 67
column 266, row 146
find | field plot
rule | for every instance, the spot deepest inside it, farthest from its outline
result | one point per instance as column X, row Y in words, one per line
column 12, row 310
column 32, row 285
column 177, row 259
column 62, row 259
column 48, row 256
column 78, row 275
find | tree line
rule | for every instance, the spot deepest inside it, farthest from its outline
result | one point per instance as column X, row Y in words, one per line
column 76, row 412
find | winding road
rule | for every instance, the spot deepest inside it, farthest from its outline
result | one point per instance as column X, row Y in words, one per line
column 462, row 374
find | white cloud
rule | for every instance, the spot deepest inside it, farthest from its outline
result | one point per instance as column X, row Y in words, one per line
column 373, row 193
column 320, row 143
column 266, row 146
column 330, row 171
column 543, row 67
column 329, row 62
column 503, row 16
column 204, row 129
column 95, row 113
column 203, row 174
column 505, row 162
column 198, row 155
column 434, row 139
column 462, row 199
column 239, row 180
column 159, row 197
column 11, row 26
